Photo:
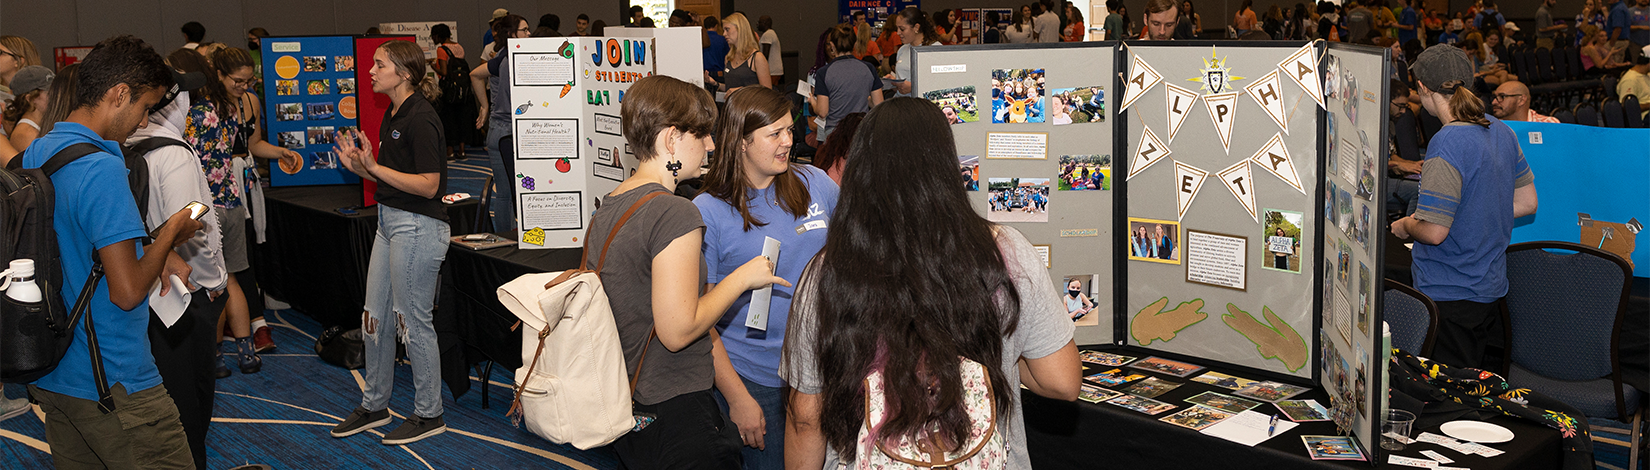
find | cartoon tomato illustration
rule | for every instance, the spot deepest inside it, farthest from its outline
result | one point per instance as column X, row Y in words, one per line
column 563, row 165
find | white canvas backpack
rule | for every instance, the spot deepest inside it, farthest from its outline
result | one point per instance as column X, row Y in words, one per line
column 573, row 389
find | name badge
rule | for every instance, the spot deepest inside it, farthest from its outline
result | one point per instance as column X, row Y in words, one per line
column 810, row 225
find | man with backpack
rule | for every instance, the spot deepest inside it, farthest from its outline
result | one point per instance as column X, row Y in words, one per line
column 95, row 220
column 457, row 103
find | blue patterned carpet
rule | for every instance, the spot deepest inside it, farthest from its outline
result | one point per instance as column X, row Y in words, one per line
column 281, row 415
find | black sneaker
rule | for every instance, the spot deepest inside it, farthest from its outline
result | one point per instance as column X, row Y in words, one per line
column 361, row 420
column 414, row 429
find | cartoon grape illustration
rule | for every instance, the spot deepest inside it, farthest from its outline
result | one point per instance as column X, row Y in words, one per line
column 526, row 182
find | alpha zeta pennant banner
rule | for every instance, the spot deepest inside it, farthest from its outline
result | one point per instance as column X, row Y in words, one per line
column 1274, row 158
column 1180, row 102
column 1223, row 112
column 1270, row 97
column 1302, row 67
column 1150, row 152
column 1241, row 183
column 1187, row 180
column 1142, row 77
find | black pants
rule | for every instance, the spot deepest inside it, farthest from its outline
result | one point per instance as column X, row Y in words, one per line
column 185, row 355
column 690, row 433
column 1470, row 334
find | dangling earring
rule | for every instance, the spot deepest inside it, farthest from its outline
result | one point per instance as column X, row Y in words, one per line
column 675, row 167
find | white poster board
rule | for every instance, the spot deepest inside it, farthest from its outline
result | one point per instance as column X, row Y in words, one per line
column 421, row 31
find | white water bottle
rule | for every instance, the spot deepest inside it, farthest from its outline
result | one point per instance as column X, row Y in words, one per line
column 20, row 282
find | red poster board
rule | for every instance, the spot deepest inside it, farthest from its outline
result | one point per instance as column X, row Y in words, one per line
column 64, row 56
column 370, row 106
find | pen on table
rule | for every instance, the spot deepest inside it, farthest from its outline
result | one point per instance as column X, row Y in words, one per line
column 1272, row 427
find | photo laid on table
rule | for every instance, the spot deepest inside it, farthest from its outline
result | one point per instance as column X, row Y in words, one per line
column 1114, row 377
column 315, row 64
column 1282, row 233
column 319, row 135
column 1197, row 418
column 1223, row 402
column 1094, row 394
column 1174, row 368
column 317, row 87
column 1017, row 96
column 1077, row 105
column 1141, row 404
column 970, row 166
column 290, row 139
column 346, row 86
column 958, row 104
column 1017, row 200
column 1332, row 448
column 320, row 111
column 289, row 112
column 1224, row 381
column 1103, row 358
column 1270, row 391
column 1151, row 387
column 323, row 161
column 1303, row 410
column 1078, row 293
column 1154, row 240
column 286, row 88
column 1085, row 173
column 343, row 63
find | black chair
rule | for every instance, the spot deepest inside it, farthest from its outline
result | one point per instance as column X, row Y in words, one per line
column 1429, row 126
column 1565, row 312
column 484, row 224
column 1608, row 83
column 1565, row 116
column 1407, row 135
column 1572, row 58
column 1544, row 65
column 1527, row 68
column 1586, row 115
column 1612, row 115
column 1630, row 111
column 1413, row 317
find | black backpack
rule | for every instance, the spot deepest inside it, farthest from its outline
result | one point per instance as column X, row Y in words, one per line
column 455, row 82
column 33, row 337
column 137, row 168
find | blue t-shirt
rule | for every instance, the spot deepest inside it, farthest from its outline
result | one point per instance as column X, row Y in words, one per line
column 1620, row 22
column 1448, row 38
column 716, row 54
column 755, row 353
column 1473, row 196
column 1408, row 18
column 94, row 209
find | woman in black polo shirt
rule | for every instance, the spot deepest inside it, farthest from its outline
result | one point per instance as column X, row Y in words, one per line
column 411, row 171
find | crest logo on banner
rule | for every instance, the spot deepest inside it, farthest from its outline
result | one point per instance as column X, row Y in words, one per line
column 1274, row 158
column 1266, row 92
column 1240, row 181
column 1180, row 102
column 1150, row 152
column 1187, row 180
column 1217, row 78
column 1222, row 111
column 1302, row 67
column 1142, row 77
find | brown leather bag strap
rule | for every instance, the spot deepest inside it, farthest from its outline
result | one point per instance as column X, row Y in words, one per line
column 651, row 333
column 602, row 261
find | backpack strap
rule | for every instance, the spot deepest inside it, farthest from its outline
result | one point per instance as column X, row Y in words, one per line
column 105, row 397
column 62, row 158
column 602, row 261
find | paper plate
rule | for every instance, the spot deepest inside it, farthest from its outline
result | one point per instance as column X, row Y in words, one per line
column 1477, row 431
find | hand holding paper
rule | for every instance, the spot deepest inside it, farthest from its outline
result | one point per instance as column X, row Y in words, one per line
column 756, row 316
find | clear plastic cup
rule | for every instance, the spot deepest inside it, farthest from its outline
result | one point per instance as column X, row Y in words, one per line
column 1395, row 428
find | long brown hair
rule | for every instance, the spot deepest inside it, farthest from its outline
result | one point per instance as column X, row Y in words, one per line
column 63, row 98
column 408, row 59
column 748, row 110
column 1465, row 106
column 21, row 105
column 835, row 147
column 741, row 48
column 188, row 61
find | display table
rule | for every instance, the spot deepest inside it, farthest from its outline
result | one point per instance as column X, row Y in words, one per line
column 1082, row 435
column 315, row 258
column 470, row 323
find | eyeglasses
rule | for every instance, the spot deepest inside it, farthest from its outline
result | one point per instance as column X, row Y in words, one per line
column 10, row 53
column 242, row 81
column 1502, row 96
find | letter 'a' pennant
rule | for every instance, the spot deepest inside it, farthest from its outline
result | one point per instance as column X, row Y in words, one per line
column 1274, row 158
column 1142, row 77
column 1302, row 67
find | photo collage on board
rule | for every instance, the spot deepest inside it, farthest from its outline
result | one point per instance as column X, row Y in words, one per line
column 314, row 100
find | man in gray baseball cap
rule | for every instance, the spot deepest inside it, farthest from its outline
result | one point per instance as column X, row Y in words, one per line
column 1474, row 172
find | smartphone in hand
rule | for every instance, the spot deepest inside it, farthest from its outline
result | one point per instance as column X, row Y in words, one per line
column 196, row 211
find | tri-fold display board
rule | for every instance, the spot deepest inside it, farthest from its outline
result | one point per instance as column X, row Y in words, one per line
column 1181, row 189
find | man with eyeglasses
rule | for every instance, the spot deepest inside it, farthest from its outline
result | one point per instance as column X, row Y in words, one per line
column 1512, row 103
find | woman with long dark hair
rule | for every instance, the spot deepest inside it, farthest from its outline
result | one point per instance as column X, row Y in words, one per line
column 917, row 295
column 1020, row 31
column 411, row 171
column 833, row 156
column 753, row 194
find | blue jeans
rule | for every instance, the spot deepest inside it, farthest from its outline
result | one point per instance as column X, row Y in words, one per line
column 402, row 278
column 772, row 401
column 500, row 158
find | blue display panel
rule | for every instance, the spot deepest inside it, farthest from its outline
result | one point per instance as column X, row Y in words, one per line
column 310, row 93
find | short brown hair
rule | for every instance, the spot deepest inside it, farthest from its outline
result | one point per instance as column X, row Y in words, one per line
column 659, row 102
column 1159, row 6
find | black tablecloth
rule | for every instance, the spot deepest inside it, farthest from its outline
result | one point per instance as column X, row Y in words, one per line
column 470, row 323
column 315, row 258
column 1082, row 435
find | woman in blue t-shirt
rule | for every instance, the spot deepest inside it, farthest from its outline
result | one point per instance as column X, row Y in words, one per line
column 754, row 194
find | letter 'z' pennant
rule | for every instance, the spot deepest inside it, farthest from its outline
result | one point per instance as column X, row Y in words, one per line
column 1241, row 183
column 1274, row 158
column 1302, row 67
column 1141, row 78
column 1180, row 102
column 1150, row 152
column 1270, row 97
column 1187, row 180
column 1223, row 112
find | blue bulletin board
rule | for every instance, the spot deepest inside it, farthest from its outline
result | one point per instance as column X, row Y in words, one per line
column 875, row 10
column 310, row 92
column 1571, row 178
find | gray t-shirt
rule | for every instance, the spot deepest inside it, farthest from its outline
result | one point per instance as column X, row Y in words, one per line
column 1543, row 20
column 848, row 82
column 628, row 280
column 1358, row 22
column 1044, row 328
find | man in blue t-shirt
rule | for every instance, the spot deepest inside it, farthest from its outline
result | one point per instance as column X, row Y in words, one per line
column 1409, row 23
column 1475, row 182
column 716, row 52
column 1617, row 28
column 119, row 81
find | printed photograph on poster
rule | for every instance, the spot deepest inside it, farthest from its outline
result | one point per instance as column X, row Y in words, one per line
column 552, row 210
column 1094, row 394
column 1018, row 199
column 317, row 87
column 1219, row 260
column 1329, row 202
column 1366, row 174
column 286, row 88
column 1151, row 387
column 290, row 140
column 1343, row 274
column 1223, row 402
column 541, row 69
column 1343, row 379
column 323, row 161
column 1332, row 77
column 320, row 111
column 346, row 86
column 1174, row 368
column 1349, row 96
column 1282, row 233
column 343, row 63
column 958, row 104
column 1078, row 105
column 1270, row 391
column 1366, row 299
column 319, row 135
column 346, row 130
column 1103, row 358
column 970, row 167
column 1197, row 418
column 289, row 112
column 1302, row 410
column 1363, row 224
column 1343, row 211
column 315, row 64
column 1016, row 145
column 1114, row 377
column 1085, row 172
column 1330, row 139
column 1154, row 240
column 1017, row 96
column 540, row 139
column 1141, row 404
column 1224, row 381
column 1079, row 298
column 1332, row 448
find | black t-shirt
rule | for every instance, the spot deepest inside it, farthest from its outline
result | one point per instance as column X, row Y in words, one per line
column 411, row 142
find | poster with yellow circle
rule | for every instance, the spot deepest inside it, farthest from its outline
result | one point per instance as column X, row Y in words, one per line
column 286, row 67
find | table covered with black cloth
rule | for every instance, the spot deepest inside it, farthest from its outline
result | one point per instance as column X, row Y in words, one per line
column 470, row 323
column 315, row 258
column 1082, row 435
